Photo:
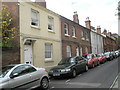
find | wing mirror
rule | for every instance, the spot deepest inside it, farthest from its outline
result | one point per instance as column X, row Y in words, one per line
column 13, row 75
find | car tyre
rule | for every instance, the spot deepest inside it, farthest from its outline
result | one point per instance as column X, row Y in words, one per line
column 93, row 65
column 44, row 85
column 98, row 63
column 86, row 68
column 74, row 73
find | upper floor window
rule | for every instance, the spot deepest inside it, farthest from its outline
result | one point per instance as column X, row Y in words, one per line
column 82, row 34
column 66, row 29
column 73, row 32
column 48, row 51
column 34, row 18
column 87, row 36
column 50, row 23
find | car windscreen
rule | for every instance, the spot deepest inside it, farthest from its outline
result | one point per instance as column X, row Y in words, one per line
column 107, row 53
column 5, row 70
column 67, row 61
column 87, row 56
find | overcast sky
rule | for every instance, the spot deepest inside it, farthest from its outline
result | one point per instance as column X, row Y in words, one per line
column 100, row 12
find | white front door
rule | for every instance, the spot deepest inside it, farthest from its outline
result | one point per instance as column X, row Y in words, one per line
column 28, row 57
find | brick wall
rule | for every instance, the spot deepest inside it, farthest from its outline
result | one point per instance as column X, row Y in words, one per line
column 11, row 55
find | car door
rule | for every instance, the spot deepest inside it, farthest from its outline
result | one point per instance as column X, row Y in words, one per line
column 22, row 78
column 83, row 63
column 79, row 64
column 34, row 76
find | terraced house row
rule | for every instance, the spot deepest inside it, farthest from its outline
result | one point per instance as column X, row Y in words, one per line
column 46, row 37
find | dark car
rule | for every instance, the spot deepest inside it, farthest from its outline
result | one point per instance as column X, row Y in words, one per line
column 69, row 67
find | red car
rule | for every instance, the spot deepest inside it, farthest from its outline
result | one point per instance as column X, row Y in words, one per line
column 92, row 60
column 101, row 58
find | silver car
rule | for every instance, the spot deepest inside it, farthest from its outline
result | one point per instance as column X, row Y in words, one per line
column 23, row 76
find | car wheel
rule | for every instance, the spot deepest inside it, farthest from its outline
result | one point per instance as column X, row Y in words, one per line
column 86, row 68
column 44, row 83
column 74, row 73
column 93, row 65
column 98, row 63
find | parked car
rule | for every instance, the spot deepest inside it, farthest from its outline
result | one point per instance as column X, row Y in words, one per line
column 108, row 56
column 92, row 60
column 23, row 76
column 101, row 57
column 113, row 54
column 117, row 53
column 69, row 67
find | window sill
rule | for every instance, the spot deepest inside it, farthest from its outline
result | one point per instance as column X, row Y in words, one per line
column 83, row 38
column 74, row 37
column 87, row 39
column 51, row 31
column 35, row 27
column 67, row 35
column 48, row 60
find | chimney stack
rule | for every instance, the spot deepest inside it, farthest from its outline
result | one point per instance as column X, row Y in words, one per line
column 98, row 29
column 41, row 3
column 75, row 17
column 109, row 34
column 88, row 23
column 105, row 32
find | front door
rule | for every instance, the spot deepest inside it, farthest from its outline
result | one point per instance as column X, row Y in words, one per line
column 28, row 57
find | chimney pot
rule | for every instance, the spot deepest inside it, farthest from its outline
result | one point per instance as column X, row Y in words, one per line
column 98, row 30
column 88, row 23
column 75, row 17
column 41, row 2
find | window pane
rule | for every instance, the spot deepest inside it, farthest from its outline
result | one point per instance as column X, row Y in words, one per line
column 34, row 18
column 66, row 28
column 50, row 23
column 48, row 50
column 68, row 51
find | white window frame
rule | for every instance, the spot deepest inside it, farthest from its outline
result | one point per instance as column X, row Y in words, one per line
column 66, row 29
column 50, row 23
column 33, row 19
column 86, row 50
column 48, row 51
column 82, row 34
column 87, row 35
column 77, row 51
column 68, row 51
column 73, row 31
column 81, row 52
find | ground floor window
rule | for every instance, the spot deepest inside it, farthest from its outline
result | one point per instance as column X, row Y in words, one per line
column 48, row 51
column 81, row 53
column 68, row 49
column 86, row 50
column 77, row 51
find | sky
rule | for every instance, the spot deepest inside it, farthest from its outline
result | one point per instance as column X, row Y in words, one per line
column 100, row 12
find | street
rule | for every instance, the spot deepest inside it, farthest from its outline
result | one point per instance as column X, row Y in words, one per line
column 101, row 76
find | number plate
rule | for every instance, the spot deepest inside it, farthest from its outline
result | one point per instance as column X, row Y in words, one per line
column 56, row 74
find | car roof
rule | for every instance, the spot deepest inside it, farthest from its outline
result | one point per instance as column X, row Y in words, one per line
column 87, row 54
column 16, row 64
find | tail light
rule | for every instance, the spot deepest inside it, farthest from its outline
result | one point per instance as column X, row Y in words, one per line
column 46, row 70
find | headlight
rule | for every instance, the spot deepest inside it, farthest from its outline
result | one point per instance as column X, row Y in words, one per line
column 65, row 70
column 51, row 71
